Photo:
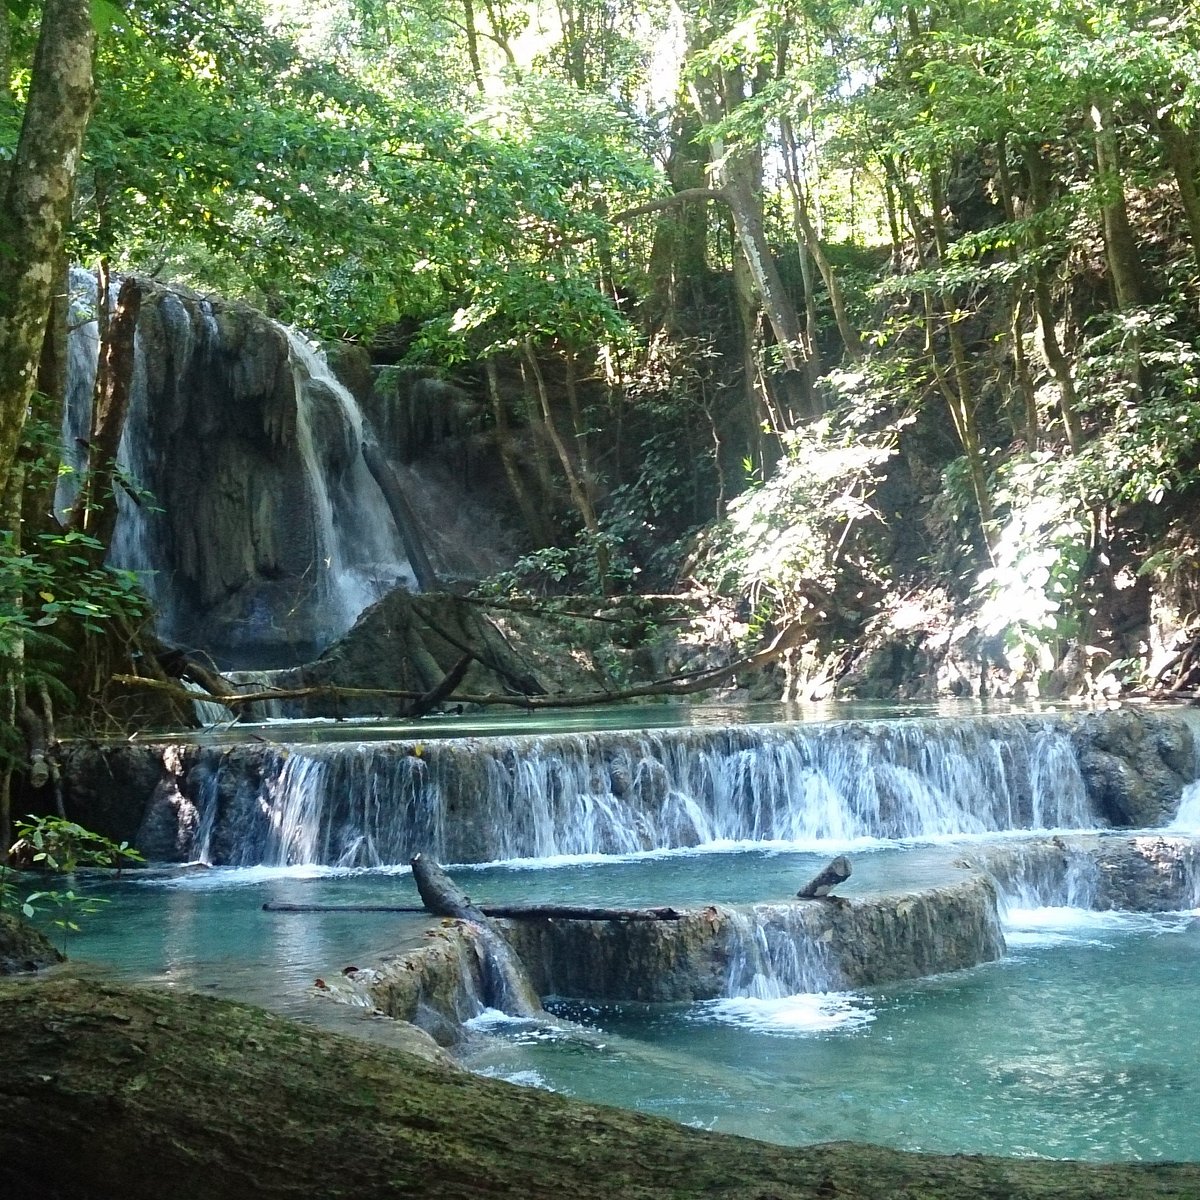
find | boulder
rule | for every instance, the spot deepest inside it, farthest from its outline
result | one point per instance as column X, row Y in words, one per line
column 23, row 948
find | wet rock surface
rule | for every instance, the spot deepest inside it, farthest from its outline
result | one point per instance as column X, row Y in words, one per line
column 23, row 948
column 815, row 945
column 1135, row 763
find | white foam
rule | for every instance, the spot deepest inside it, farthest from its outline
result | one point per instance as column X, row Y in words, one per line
column 219, row 878
column 1054, row 926
column 808, row 1013
column 525, row 1078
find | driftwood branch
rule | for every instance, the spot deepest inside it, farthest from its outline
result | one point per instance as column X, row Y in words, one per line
column 822, row 884
column 677, row 685
column 437, row 694
column 625, row 215
column 562, row 912
column 506, row 984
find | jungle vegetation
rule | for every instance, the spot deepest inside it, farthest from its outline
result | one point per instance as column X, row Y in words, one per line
column 859, row 315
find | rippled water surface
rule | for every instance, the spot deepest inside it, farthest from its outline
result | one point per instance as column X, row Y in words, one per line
column 1080, row 1044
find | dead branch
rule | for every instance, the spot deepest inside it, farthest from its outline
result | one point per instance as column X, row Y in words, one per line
column 677, row 685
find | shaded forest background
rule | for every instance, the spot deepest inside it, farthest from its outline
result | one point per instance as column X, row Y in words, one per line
column 875, row 321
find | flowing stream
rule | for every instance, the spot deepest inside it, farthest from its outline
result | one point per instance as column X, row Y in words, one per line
column 1077, row 1044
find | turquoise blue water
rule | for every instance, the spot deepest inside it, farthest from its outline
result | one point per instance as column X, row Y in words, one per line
column 1082, row 1043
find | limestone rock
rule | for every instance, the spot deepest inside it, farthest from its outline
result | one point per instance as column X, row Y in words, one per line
column 23, row 948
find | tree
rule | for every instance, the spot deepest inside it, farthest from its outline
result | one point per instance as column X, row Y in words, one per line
column 36, row 203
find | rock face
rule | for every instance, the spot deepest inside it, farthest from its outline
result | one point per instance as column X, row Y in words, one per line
column 816, row 945
column 23, row 948
column 436, row 987
column 1154, row 873
column 120, row 1093
column 410, row 643
column 1135, row 767
column 264, row 536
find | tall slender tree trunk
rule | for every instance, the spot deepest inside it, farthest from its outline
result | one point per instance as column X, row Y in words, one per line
column 95, row 509
column 575, row 484
column 1184, row 157
column 737, row 172
column 36, row 203
column 958, row 390
column 1028, row 424
column 473, row 43
column 5, row 53
column 807, row 236
column 534, row 521
column 1124, row 259
column 1043, row 307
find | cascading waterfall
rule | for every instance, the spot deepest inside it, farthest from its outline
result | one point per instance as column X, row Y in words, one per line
column 358, row 551
column 467, row 800
column 1046, row 877
column 772, row 954
column 264, row 535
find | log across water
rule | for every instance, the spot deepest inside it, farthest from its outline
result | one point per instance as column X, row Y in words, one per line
column 562, row 912
column 117, row 1093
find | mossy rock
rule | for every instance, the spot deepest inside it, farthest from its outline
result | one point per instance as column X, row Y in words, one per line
column 23, row 948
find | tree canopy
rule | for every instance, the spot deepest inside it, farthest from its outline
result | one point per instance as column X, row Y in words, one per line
column 917, row 281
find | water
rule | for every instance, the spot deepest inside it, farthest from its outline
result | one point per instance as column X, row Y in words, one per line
column 269, row 544
column 472, row 800
column 1077, row 1045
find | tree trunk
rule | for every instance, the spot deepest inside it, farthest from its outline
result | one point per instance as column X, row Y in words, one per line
column 959, row 395
column 95, row 510
column 1056, row 360
column 526, row 912
column 575, row 484
column 823, row 883
column 534, row 521
column 507, row 985
column 116, row 1093
column 1124, row 260
column 1028, row 425
column 1182, row 155
column 36, row 203
column 472, row 35
column 807, row 236
column 679, row 265
column 738, row 172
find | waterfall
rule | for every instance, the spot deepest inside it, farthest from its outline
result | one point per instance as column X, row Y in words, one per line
column 259, row 534
column 773, row 954
column 1045, row 876
column 470, row 800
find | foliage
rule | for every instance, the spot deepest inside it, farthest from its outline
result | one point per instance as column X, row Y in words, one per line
column 467, row 172
column 786, row 541
column 63, row 846
column 51, row 587
column 60, row 846
column 1031, row 595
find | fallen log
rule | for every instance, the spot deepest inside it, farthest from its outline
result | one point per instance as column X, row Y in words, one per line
column 118, row 1093
column 506, row 984
column 564, row 912
column 686, row 684
column 822, row 884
